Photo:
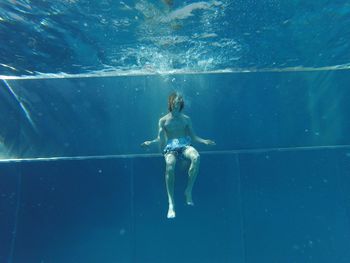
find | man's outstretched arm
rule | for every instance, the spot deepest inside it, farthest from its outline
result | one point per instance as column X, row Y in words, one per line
column 160, row 138
column 161, row 135
column 196, row 138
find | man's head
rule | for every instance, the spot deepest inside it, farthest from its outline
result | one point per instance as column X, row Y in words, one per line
column 175, row 102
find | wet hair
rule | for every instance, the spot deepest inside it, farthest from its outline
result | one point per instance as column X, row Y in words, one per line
column 171, row 99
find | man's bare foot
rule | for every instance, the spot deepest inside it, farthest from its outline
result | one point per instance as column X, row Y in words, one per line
column 171, row 212
column 188, row 195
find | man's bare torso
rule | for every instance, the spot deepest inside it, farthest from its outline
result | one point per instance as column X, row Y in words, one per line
column 175, row 126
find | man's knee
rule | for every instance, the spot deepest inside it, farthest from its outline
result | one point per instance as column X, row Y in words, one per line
column 170, row 164
column 170, row 168
column 196, row 159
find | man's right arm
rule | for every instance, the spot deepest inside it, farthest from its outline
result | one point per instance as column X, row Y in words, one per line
column 161, row 135
column 161, row 138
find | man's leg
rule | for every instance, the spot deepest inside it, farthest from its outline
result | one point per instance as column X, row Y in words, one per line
column 170, row 161
column 191, row 154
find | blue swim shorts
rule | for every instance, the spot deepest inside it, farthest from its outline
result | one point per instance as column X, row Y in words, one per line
column 177, row 145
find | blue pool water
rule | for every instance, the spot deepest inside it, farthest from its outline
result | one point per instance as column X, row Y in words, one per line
column 77, row 187
column 271, row 206
column 83, row 84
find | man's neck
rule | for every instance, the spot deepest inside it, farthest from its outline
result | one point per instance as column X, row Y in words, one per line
column 175, row 113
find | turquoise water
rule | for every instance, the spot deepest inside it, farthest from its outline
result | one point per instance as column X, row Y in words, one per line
column 255, row 206
column 77, row 187
column 83, row 83
column 112, row 115
column 78, row 37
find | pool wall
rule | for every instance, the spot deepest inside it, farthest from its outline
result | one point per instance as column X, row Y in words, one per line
column 273, row 206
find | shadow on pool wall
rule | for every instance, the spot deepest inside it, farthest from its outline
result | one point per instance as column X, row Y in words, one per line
column 112, row 116
column 289, row 206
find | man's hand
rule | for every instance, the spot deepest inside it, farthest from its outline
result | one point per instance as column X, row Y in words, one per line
column 209, row 142
column 146, row 143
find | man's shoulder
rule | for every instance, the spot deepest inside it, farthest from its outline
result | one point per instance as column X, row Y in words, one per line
column 164, row 118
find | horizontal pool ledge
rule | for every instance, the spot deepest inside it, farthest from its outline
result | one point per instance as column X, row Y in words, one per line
column 115, row 72
column 119, row 156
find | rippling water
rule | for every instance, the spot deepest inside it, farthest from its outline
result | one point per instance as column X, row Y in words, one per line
column 124, row 37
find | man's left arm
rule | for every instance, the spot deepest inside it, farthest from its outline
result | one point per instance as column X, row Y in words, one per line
column 196, row 138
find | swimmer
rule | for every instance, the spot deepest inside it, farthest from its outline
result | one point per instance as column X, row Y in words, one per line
column 175, row 136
